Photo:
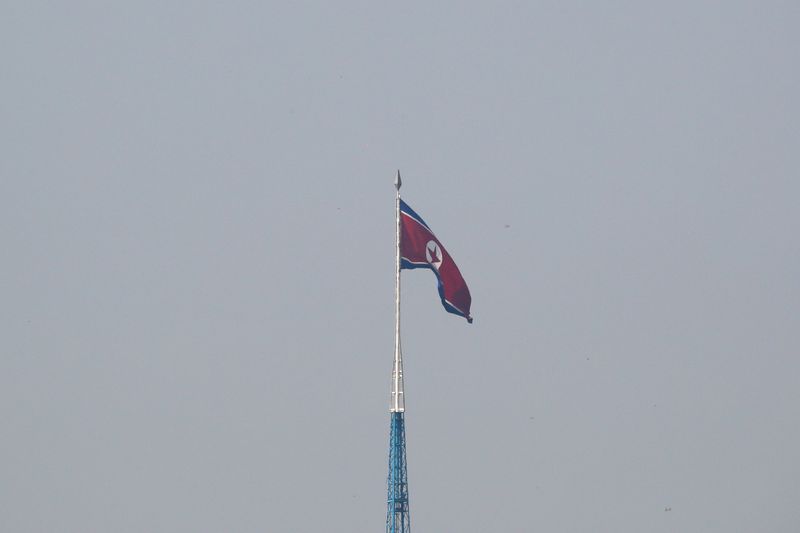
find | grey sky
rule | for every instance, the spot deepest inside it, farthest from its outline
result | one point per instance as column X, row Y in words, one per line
column 196, row 287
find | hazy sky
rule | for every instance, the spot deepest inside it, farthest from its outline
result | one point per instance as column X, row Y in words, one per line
column 196, row 286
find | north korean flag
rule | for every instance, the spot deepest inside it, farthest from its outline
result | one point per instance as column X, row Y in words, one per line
column 419, row 248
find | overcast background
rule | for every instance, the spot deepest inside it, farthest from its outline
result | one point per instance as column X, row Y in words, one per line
column 196, row 306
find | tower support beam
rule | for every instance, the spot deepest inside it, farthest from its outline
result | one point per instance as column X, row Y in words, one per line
column 398, row 519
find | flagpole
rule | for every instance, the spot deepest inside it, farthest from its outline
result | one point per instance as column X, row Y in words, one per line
column 398, row 394
column 398, row 519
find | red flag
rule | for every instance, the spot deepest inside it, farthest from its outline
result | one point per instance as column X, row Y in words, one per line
column 419, row 248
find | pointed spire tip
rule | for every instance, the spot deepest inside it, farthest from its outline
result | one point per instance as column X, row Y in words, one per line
column 397, row 181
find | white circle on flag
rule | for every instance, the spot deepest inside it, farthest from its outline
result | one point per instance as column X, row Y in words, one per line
column 433, row 253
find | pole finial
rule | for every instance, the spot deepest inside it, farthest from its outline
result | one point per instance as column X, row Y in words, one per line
column 397, row 181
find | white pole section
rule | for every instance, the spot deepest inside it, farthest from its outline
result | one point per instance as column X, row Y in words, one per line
column 398, row 395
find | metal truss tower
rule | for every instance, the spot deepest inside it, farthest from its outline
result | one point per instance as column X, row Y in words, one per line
column 397, row 516
column 398, row 519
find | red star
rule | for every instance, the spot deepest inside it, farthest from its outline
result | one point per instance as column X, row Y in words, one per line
column 434, row 257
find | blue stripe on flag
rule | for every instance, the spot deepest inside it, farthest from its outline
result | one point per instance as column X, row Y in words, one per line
column 410, row 212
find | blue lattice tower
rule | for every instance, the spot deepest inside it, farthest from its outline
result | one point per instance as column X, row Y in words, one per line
column 398, row 519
